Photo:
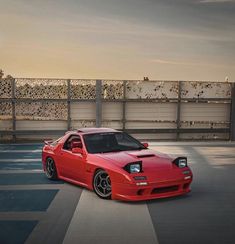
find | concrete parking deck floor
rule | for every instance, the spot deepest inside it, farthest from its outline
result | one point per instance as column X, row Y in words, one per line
column 35, row 210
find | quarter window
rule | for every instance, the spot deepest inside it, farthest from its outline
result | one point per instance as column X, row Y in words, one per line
column 72, row 138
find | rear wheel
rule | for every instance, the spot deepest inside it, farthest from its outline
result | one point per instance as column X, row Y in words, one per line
column 102, row 184
column 50, row 170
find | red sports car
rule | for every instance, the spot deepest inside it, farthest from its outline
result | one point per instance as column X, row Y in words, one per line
column 115, row 165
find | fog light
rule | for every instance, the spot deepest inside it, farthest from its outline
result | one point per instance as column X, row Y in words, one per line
column 186, row 172
column 187, row 177
column 141, row 183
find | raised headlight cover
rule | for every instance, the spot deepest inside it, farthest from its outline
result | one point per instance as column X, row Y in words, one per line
column 134, row 167
column 181, row 162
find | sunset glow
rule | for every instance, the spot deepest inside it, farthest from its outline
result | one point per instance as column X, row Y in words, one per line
column 124, row 39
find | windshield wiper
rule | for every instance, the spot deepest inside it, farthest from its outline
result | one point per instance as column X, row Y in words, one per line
column 113, row 150
column 133, row 149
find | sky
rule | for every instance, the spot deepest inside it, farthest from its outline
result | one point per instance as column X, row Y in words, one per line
column 118, row 39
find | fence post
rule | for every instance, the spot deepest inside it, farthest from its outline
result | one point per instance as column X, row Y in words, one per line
column 98, row 101
column 232, row 116
column 124, row 106
column 69, row 104
column 178, row 110
column 13, row 102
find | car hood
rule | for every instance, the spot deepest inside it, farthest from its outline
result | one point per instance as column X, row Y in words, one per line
column 151, row 160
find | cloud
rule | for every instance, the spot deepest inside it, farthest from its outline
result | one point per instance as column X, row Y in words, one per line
column 217, row 1
column 161, row 61
column 188, row 63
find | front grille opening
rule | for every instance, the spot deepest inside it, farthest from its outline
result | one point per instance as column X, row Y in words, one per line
column 165, row 189
column 140, row 192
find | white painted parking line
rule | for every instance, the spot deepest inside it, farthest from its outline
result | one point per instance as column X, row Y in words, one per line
column 20, row 151
column 31, row 187
column 21, row 171
column 21, row 160
column 101, row 221
column 192, row 143
column 52, row 228
column 22, row 144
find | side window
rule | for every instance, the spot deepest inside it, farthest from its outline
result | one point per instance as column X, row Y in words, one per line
column 72, row 138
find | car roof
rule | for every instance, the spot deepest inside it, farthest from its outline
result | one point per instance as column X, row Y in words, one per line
column 95, row 130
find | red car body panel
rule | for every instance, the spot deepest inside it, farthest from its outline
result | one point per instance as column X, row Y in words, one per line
column 164, row 179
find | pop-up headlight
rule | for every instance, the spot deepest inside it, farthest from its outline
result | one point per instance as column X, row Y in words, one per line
column 181, row 162
column 135, row 167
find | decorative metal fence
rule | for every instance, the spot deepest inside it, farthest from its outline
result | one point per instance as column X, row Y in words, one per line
column 175, row 110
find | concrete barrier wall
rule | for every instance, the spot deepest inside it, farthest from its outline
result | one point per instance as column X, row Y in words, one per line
column 174, row 110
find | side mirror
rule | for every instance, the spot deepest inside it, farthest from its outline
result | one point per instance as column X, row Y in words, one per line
column 145, row 144
column 77, row 150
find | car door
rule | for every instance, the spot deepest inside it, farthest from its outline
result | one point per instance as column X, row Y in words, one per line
column 72, row 165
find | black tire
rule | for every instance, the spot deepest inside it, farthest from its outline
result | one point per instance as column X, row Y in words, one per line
column 50, row 170
column 102, row 184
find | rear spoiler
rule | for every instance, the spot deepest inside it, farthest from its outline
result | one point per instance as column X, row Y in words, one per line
column 48, row 141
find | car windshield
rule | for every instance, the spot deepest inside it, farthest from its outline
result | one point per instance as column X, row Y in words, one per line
column 111, row 142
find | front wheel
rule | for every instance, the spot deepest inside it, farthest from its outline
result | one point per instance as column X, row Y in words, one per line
column 102, row 184
column 50, row 170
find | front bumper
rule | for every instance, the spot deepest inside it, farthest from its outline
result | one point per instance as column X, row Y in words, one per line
column 154, row 190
